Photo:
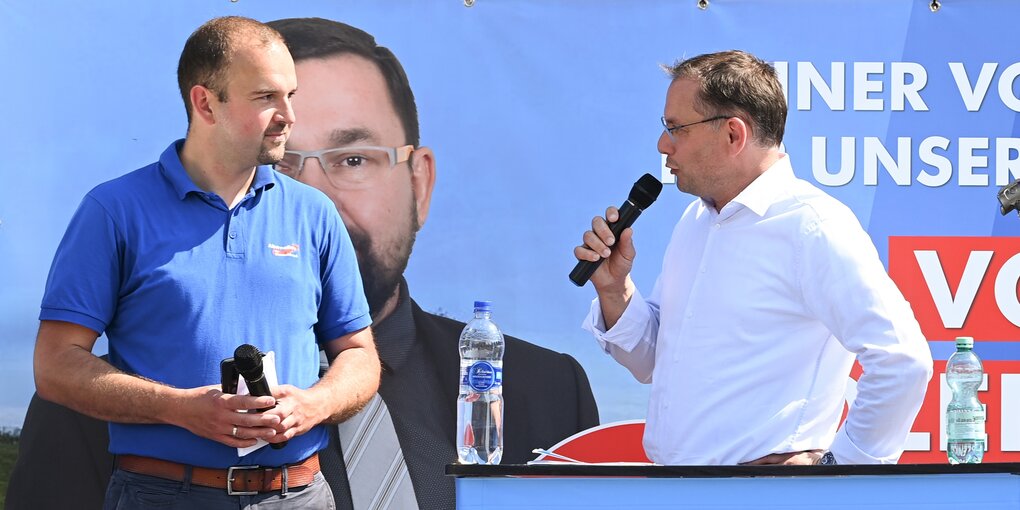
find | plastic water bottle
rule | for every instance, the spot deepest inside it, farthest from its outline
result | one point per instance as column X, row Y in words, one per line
column 965, row 416
column 480, row 403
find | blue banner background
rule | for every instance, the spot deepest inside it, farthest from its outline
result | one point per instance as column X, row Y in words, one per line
column 540, row 113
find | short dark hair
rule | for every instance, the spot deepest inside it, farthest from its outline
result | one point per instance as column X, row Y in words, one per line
column 309, row 38
column 208, row 53
column 738, row 83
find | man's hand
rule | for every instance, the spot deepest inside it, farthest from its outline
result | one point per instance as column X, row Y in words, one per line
column 612, row 279
column 208, row 412
column 805, row 458
column 597, row 244
column 297, row 411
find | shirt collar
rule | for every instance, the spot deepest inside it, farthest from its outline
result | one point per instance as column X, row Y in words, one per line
column 767, row 188
column 395, row 335
column 265, row 178
column 173, row 170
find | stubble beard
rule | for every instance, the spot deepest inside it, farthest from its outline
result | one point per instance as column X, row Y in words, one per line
column 270, row 154
column 383, row 267
column 683, row 183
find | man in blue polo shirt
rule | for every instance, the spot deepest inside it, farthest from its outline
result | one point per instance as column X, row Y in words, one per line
column 185, row 259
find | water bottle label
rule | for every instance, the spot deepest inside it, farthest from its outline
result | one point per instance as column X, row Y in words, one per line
column 965, row 426
column 482, row 376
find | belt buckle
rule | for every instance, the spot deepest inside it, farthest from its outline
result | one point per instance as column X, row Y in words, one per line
column 230, row 480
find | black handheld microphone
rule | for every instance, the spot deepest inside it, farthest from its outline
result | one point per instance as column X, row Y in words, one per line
column 248, row 361
column 644, row 192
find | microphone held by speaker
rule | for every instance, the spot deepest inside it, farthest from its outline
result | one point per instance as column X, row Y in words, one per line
column 247, row 362
column 642, row 195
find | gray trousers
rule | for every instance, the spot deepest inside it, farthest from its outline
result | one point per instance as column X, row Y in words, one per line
column 132, row 491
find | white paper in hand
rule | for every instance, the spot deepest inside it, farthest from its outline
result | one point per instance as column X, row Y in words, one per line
column 269, row 369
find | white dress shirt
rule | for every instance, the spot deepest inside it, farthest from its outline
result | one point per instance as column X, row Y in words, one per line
column 752, row 327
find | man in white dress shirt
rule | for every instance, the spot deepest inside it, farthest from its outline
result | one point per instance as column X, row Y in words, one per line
column 769, row 289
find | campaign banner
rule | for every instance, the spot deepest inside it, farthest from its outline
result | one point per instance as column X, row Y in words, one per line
column 965, row 286
column 543, row 113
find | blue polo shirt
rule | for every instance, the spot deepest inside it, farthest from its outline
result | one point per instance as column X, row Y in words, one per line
column 177, row 281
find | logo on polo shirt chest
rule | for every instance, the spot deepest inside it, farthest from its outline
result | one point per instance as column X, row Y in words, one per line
column 291, row 250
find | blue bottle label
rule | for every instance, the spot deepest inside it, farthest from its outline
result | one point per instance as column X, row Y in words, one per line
column 482, row 376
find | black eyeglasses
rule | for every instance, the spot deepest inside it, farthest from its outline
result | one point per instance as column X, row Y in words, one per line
column 670, row 130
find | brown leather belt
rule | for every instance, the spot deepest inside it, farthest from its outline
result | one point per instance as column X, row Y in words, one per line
column 236, row 480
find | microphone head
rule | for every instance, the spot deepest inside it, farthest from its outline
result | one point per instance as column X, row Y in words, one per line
column 645, row 191
column 248, row 360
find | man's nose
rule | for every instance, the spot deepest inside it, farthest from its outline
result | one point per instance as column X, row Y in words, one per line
column 286, row 112
column 665, row 144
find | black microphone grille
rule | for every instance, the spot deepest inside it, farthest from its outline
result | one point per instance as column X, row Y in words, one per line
column 248, row 359
column 645, row 191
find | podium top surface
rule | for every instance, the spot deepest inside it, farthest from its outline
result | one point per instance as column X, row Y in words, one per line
column 653, row 471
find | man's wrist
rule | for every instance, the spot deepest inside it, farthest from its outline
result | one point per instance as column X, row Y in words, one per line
column 826, row 459
column 614, row 302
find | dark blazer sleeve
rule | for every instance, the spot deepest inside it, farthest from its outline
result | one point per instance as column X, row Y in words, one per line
column 547, row 398
column 63, row 460
column 587, row 410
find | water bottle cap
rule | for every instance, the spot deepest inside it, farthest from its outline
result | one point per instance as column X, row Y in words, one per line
column 964, row 342
column 483, row 306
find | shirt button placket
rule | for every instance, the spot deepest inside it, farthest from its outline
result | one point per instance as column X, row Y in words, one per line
column 235, row 233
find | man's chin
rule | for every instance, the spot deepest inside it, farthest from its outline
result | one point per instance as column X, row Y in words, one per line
column 271, row 157
column 381, row 275
column 272, row 150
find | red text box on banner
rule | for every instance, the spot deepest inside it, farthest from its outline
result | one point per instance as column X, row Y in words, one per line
column 964, row 286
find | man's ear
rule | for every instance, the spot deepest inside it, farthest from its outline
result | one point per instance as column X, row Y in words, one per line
column 202, row 100
column 739, row 133
column 423, row 179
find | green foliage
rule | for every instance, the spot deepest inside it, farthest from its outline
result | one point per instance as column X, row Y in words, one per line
column 9, row 435
column 8, row 453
